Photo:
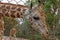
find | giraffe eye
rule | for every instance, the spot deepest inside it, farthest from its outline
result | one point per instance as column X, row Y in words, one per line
column 36, row 17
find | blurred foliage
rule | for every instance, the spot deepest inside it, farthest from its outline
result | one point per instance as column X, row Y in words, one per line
column 47, row 5
column 51, row 19
column 23, row 31
column 9, row 23
column 26, row 31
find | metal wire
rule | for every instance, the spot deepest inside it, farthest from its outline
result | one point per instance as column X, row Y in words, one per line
column 22, row 2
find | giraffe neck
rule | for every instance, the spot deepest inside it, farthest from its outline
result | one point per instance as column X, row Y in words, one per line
column 12, row 10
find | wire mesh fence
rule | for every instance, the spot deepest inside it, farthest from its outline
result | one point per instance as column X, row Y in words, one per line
column 22, row 2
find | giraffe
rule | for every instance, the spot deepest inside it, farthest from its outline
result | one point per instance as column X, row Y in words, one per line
column 19, row 11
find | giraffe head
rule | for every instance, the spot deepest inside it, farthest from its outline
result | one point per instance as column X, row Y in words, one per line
column 38, row 20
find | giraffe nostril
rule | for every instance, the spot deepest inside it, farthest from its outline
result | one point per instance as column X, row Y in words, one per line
column 36, row 17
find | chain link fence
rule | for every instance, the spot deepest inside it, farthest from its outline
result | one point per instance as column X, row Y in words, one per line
column 21, row 2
